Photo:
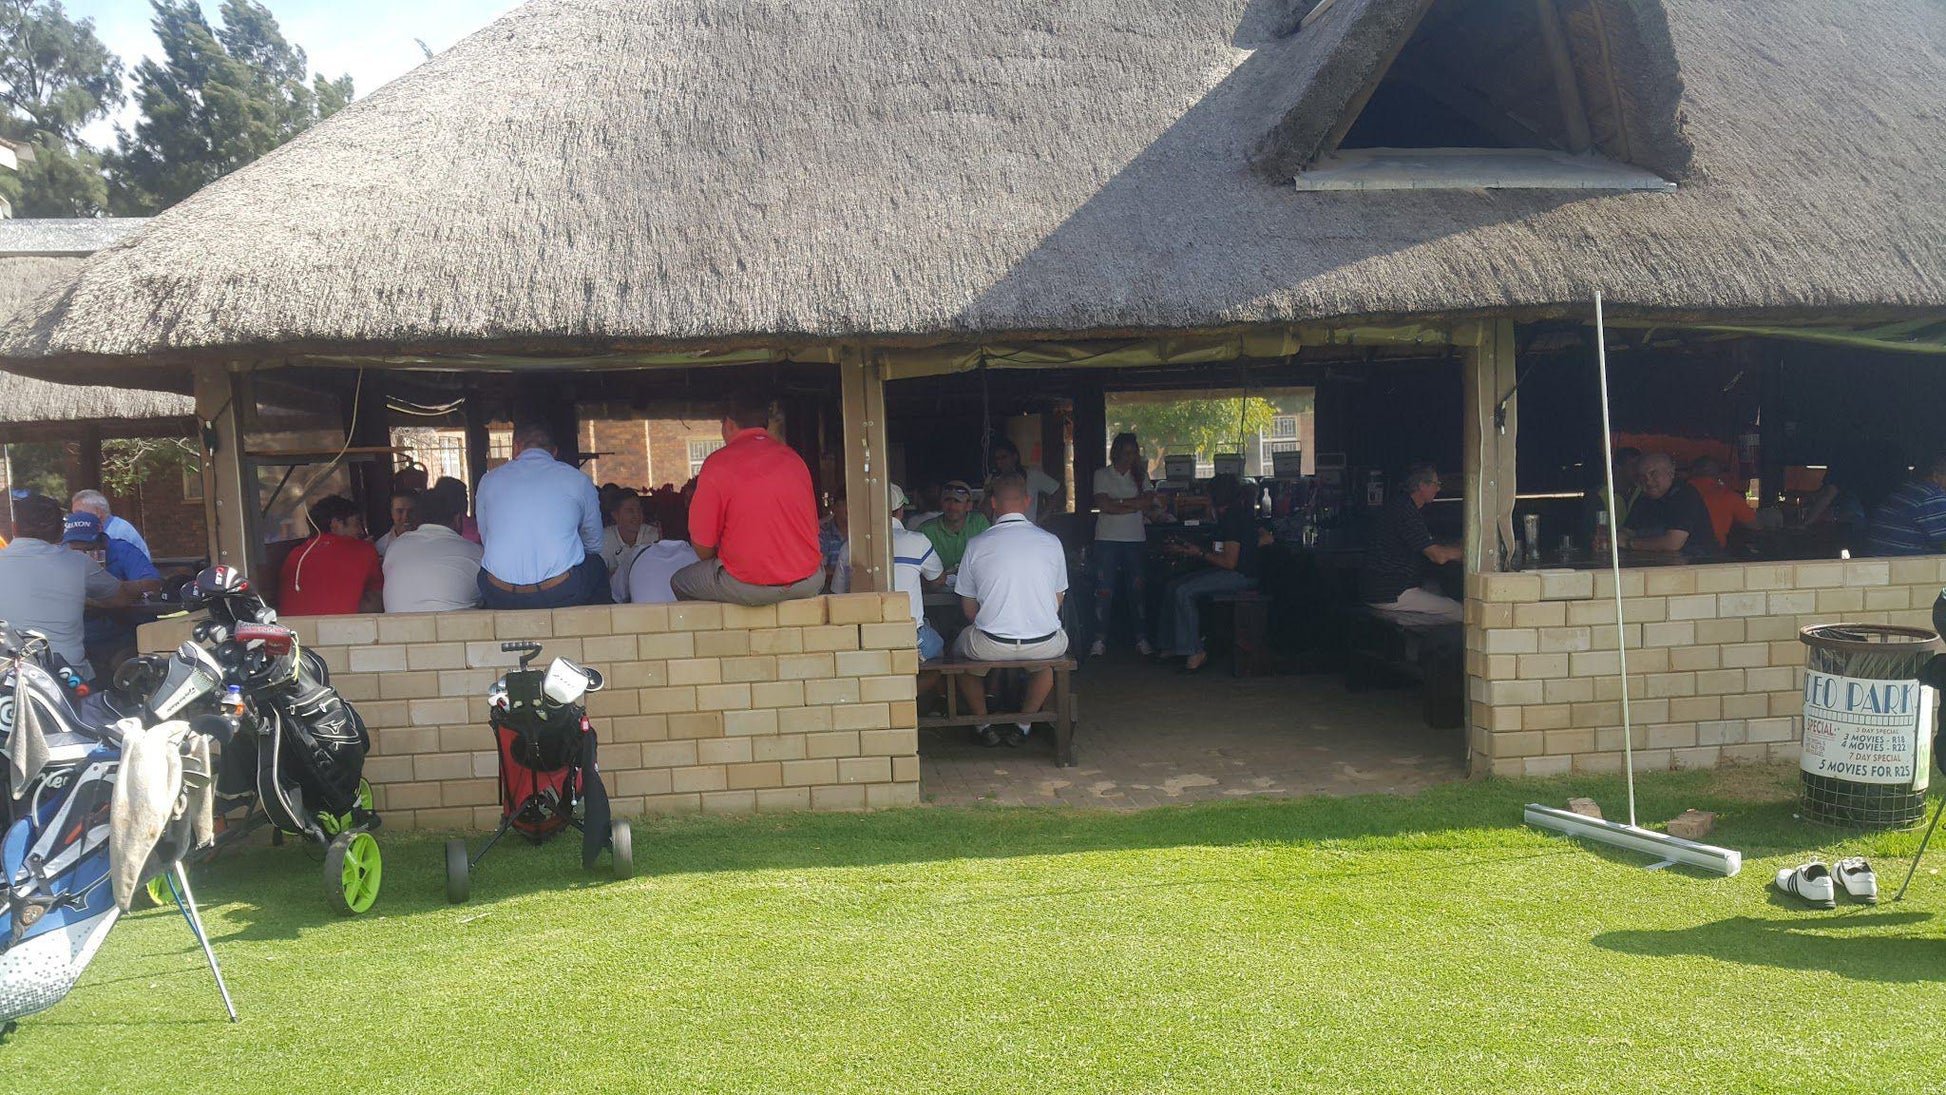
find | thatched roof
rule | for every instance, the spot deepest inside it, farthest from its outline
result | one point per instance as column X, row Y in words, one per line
column 35, row 254
column 584, row 174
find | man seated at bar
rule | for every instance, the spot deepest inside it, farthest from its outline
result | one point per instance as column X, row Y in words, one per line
column 1392, row 580
column 754, row 519
column 957, row 524
column 1912, row 519
column 915, row 569
column 95, row 502
column 1728, row 508
column 45, row 587
column 1232, row 566
column 404, row 505
column 109, row 637
column 1670, row 515
column 433, row 568
column 1011, row 584
column 540, row 522
column 337, row 571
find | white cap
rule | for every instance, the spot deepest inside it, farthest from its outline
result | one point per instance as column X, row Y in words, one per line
column 898, row 498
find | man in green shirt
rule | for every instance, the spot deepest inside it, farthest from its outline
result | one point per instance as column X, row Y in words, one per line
column 956, row 524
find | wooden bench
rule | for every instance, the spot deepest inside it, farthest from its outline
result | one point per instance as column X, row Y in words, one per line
column 1381, row 650
column 1060, row 711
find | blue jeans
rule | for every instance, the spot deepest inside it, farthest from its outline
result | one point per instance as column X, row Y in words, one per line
column 930, row 644
column 587, row 584
column 1118, row 565
column 1182, row 625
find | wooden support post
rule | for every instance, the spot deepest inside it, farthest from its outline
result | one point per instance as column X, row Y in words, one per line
column 1574, row 117
column 1770, row 423
column 229, row 502
column 372, row 429
column 81, row 461
column 863, row 387
column 478, row 443
column 1090, row 442
column 1490, row 376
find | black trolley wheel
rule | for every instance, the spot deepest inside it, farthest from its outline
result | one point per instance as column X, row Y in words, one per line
column 621, row 844
column 457, row 883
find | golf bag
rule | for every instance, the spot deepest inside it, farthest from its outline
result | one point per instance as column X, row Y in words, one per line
column 69, row 793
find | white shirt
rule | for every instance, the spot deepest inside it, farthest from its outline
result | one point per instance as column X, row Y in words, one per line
column 913, row 562
column 618, row 555
column 384, row 543
column 1017, row 572
column 432, row 569
column 914, row 520
column 646, row 580
column 122, row 530
column 1124, row 528
column 42, row 587
column 538, row 518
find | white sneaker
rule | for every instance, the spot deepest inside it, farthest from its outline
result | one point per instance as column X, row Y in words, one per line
column 1812, row 882
column 1143, row 648
column 1098, row 649
column 1856, row 876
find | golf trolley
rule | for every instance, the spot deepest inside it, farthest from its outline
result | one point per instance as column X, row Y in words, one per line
column 548, row 776
column 297, row 759
column 93, row 810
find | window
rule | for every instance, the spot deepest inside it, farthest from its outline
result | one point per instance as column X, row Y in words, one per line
column 1283, row 427
column 192, row 478
column 698, row 452
column 500, row 445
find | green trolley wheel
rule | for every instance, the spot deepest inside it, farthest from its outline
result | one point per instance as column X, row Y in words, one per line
column 353, row 869
column 621, row 845
column 457, row 883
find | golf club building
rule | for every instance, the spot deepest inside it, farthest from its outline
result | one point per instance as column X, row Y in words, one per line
column 875, row 207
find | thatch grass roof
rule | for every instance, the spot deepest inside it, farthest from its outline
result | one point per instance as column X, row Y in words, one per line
column 583, row 174
column 33, row 256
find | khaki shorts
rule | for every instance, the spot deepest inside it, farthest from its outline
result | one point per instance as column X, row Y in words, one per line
column 974, row 645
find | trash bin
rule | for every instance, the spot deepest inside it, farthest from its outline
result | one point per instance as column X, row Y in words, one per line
column 1868, row 724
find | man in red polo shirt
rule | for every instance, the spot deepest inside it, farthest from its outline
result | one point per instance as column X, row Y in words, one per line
column 753, row 522
column 335, row 573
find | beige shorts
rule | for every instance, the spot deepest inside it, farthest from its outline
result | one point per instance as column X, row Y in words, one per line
column 974, row 645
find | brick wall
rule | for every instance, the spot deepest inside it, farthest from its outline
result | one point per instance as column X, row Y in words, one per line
column 1715, row 666
column 172, row 525
column 808, row 705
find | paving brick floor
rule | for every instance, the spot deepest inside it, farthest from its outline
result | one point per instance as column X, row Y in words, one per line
column 1150, row 736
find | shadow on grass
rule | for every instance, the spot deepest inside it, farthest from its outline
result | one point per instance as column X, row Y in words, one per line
column 1862, row 946
column 278, row 893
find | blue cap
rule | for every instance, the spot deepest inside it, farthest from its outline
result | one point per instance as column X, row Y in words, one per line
column 80, row 528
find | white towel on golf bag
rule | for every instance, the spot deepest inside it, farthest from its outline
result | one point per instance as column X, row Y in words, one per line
column 151, row 792
column 27, row 745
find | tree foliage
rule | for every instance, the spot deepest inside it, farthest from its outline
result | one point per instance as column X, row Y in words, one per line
column 1202, row 426
column 56, row 77
column 218, row 99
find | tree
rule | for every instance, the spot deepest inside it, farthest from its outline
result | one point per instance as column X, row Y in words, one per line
column 219, row 99
column 55, row 78
column 1202, row 426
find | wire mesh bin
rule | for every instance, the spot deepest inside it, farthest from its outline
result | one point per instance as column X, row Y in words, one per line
column 1868, row 724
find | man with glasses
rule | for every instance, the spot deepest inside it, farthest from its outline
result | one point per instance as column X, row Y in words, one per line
column 1391, row 581
column 1670, row 515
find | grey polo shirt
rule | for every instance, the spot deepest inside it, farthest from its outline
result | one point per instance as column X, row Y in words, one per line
column 43, row 587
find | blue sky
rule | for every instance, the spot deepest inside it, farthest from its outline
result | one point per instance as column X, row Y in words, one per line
column 370, row 39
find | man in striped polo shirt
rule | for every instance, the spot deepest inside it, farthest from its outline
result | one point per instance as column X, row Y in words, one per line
column 1912, row 519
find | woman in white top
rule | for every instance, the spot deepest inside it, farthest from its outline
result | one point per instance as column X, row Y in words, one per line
column 622, row 541
column 1122, row 495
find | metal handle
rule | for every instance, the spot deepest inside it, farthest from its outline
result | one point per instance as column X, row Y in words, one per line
column 528, row 651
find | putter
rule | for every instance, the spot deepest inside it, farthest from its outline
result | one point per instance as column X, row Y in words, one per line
column 186, row 901
column 1921, row 853
column 1933, row 674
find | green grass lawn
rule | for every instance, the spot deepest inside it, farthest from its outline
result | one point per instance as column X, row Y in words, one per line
column 1426, row 944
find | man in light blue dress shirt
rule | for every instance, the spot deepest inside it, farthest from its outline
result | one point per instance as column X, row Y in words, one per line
column 540, row 522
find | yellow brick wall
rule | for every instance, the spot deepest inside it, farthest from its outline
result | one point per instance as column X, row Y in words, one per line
column 808, row 705
column 1716, row 671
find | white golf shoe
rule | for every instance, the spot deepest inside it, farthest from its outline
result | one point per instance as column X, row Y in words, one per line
column 1812, row 882
column 1856, row 876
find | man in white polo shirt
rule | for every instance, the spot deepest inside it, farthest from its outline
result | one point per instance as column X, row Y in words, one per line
column 433, row 568
column 1011, row 583
column 916, row 567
